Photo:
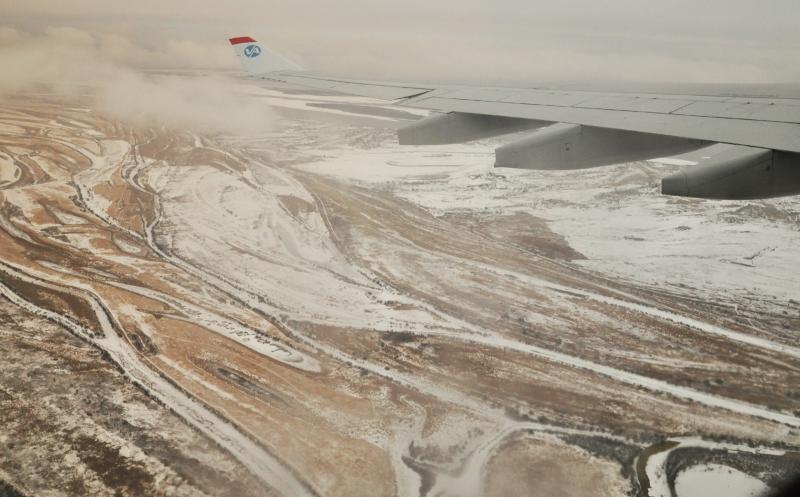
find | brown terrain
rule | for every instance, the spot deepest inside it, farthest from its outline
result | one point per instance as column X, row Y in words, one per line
column 194, row 315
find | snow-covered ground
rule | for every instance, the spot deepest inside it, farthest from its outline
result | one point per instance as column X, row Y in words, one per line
column 705, row 480
column 354, row 287
column 732, row 252
column 9, row 172
column 711, row 480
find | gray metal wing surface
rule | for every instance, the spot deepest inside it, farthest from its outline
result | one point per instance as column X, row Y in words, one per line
column 578, row 129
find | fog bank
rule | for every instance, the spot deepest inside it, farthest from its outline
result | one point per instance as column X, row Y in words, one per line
column 70, row 61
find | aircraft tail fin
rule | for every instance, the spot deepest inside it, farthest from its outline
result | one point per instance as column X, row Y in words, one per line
column 257, row 60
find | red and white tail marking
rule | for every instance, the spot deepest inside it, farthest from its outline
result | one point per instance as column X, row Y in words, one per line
column 241, row 39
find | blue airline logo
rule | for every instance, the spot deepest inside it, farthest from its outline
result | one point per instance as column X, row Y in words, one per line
column 252, row 51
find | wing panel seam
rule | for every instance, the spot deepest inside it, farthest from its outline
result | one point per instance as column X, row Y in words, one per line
column 627, row 110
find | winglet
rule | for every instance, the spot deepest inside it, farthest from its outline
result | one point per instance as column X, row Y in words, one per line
column 258, row 60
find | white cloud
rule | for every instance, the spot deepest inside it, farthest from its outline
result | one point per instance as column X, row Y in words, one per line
column 69, row 60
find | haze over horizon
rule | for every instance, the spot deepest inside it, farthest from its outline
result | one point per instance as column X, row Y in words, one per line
column 507, row 42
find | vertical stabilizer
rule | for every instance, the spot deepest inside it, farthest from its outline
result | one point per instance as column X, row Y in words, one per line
column 256, row 59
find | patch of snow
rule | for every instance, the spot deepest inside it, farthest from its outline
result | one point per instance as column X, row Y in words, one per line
column 715, row 480
column 65, row 217
column 258, row 342
column 673, row 161
column 9, row 172
column 258, row 460
column 699, row 480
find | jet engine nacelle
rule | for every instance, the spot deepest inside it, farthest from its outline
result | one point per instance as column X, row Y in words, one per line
column 738, row 174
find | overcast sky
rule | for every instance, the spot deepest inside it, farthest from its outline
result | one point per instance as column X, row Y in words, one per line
column 501, row 41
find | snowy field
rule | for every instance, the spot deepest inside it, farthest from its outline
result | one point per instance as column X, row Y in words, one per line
column 345, row 316
column 737, row 253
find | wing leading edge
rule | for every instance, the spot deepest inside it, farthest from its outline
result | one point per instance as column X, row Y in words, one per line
column 576, row 129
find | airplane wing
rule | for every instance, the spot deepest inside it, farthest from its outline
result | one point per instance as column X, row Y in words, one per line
column 581, row 129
